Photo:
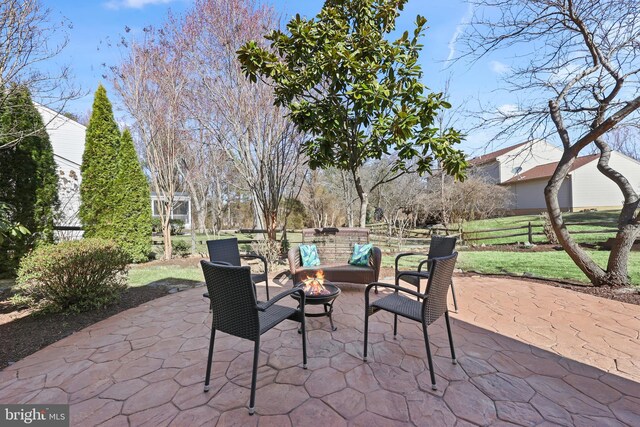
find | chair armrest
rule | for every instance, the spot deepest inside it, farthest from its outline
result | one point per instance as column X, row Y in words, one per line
column 294, row 260
column 429, row 263
column 387, row 285
column 260, row 257
column 376, row 262
column 404, row 255
column 265, row 305
column 414, row 274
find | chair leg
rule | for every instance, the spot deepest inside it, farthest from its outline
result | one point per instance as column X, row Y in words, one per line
column 304, row 343
column 426, row 343
column 453, row 352
column 254, row 375
column 453, row 294
column 209, row 359
column 395, row 325
column 366, row 332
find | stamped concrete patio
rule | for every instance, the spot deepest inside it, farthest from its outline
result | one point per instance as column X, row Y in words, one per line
column 529, row 354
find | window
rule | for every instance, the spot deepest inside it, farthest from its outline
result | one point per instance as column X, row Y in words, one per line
column 181, row 208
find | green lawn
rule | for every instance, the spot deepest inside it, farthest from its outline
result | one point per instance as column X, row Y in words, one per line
column 536, row 222
column 141, row 275
column 550, row 265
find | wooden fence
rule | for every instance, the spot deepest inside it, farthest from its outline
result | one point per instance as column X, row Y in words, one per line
column 530, row 230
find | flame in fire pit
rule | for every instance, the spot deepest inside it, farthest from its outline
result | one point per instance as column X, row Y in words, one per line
column 315, row 285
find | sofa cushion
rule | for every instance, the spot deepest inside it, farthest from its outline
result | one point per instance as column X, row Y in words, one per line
column 339, row 273
column 309, row 255
column 361, row 253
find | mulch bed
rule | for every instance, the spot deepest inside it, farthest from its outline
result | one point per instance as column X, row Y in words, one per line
column 23, row 333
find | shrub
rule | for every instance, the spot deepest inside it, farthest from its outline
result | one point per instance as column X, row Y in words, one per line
column 72, row 276
column 177, row 226
column 181, row 248
column 156, row 225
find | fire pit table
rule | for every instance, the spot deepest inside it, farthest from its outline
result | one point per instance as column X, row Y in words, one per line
column 318, row 291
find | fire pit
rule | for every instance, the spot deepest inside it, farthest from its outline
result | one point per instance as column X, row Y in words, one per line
column 319, row 291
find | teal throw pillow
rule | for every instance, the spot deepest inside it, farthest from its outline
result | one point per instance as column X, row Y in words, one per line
column 361, row 254
column 309, row 255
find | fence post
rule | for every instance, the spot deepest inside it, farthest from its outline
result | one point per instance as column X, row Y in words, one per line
column 530, row 233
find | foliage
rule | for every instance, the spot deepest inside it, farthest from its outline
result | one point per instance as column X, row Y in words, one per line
column 99, row 169
column 357, row 94
column 156, row 224
column 73, row 276
column 9, row 229
column 181, row 248
column 28, row 179
column 295, row 209
column 132, row 209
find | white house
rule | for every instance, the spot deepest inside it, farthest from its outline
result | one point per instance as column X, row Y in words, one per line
column 67, row 139
column 526, row 168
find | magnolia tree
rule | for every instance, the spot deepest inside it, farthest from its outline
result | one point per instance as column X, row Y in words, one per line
column 356, row 93
column 578, row 69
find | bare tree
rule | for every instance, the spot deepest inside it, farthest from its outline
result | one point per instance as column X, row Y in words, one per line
column 151, row 84
column 625, row 139
column 27, row 34
column 580, row 76
column 258, row 139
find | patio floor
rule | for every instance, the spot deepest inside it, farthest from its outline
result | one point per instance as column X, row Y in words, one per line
column 529, row 354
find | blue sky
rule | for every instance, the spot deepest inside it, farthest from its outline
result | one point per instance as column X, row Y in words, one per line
column 97, row 25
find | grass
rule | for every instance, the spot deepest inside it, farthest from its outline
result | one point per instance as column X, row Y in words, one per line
column 537, row 223
column 143, row 275
column 549, row 265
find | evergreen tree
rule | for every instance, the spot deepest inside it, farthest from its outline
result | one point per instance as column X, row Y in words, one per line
column 132, row 210
column 99, row 169
column 28, row 179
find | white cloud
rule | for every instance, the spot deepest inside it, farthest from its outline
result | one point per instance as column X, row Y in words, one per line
column 499, row 67
column 133, row 4
column 459, row 30
column 508, row 110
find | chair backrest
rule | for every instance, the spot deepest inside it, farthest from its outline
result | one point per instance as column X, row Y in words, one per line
column 441, row 246
column 335, row 244
column 233, row 301
column 225, row 250
column 441, row 273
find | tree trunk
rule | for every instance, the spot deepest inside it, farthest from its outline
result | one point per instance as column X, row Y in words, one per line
column 364, row 199
column 166, row 231
column 592, row 270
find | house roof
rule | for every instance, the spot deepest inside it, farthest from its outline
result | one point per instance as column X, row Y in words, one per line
column 489, row 157
column 546, row 170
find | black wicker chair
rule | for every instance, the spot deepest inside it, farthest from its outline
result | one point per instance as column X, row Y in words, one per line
column 225, row 251
column 440, row 246
column 236, row 311
column 432, row 306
